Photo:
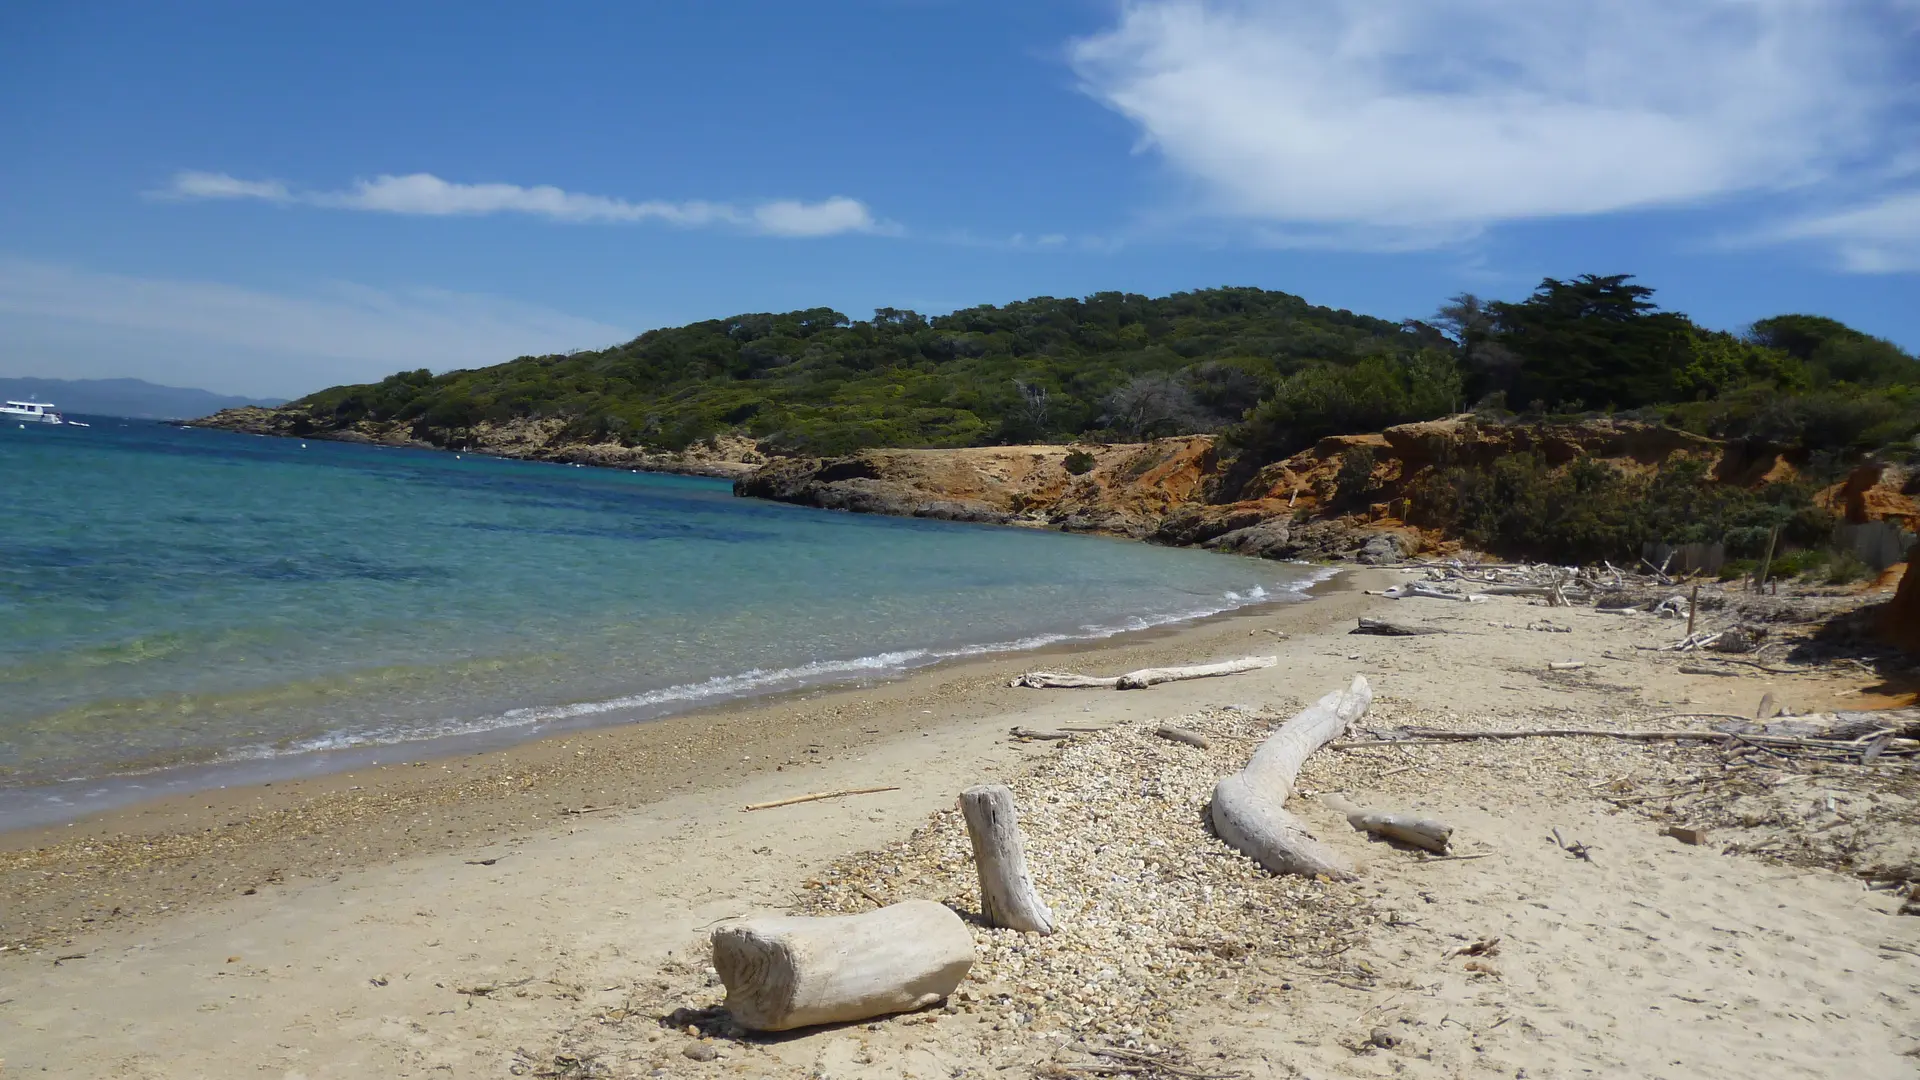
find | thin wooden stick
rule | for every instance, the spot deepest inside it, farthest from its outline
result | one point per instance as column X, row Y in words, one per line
column 1426, row 736
column 817, row 796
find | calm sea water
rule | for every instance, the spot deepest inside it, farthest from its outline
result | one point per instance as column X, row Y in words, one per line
column 175, row 604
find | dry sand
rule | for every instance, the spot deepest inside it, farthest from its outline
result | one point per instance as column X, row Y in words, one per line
column 448, row 920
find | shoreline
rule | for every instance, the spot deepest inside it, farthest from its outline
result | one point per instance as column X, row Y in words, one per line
column 280, row 829
column 54, row 804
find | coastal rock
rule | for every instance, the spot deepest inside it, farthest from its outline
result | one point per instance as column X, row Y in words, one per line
column 1383, row 549
column 1267, row 540
column 1129, row 490
column 522, row 438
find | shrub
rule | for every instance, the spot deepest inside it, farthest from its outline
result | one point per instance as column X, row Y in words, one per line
column 1375, row 393
column 1847, row 569
column 1590, row 510
column 1079, row 462
column 1354, row 481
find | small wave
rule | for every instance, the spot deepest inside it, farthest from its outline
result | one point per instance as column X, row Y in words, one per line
column 653, row 703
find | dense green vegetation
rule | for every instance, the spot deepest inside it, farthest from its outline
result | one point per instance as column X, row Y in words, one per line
column 1267, row 370
column 1112, row 365
column 1590, row 510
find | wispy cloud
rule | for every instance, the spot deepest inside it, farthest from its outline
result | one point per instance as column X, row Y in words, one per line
column 1881, row 236
column 276, row 342
column 1391, row 124
column 429, row 195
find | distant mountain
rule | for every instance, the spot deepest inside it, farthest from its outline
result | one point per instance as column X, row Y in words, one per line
column 124, row 397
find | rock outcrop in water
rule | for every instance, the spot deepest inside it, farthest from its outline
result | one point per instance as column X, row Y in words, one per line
column 725, row 456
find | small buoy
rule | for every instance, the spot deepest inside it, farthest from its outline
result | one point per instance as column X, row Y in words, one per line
column 303, row 446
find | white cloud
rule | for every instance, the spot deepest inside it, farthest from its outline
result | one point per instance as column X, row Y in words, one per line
column 257, row 342
column 426, row 194
column 839, row 214
column 1396, row 123
column 1878, row 237
column 205, row 185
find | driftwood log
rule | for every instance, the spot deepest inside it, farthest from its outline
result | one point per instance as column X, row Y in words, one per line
column 1143, row 678
column 1383, row 628
column 1171, row 733
column 1249, row 807
column 1007, row 895
column 1406, row 828
column 784, row 972
column 1402, row 592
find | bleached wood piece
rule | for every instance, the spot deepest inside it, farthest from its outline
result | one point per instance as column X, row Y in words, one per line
column 784, row 972
column 1406, row 828
column 1065, row 680
column 1182, row 735
column 1249, row 807
column 1383, row 628
column 1401, row 592
column 1565, row 665
column 1143, row 678
column 1007, row 895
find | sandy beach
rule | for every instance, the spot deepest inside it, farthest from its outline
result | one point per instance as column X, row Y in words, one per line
column 542, row 910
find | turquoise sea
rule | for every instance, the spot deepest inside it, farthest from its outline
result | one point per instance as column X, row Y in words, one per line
column 181, row 608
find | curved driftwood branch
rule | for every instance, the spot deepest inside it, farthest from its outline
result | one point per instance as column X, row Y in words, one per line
column 1418, row 831
column 1249, row 807
column 1143, row 678
column 1007, row 895
column 785, row 972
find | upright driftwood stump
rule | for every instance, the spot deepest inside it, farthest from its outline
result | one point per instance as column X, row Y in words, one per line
column 785, row 972
column 1249, row 807
column 1007, row 895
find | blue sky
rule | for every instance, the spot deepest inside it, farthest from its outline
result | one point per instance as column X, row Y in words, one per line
column 268, row 199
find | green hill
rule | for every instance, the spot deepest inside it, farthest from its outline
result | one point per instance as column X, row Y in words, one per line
column 817, row 382
column 1268, row 370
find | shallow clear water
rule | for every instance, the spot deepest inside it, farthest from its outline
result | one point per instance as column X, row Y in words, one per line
column 174, row 597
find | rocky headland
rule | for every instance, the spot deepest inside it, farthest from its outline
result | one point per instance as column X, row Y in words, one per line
column 724, row 456
column 1185, row 492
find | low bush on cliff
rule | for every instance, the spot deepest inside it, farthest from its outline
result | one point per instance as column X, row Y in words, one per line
column 1590, row 510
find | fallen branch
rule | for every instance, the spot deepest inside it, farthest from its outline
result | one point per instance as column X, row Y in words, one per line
column 1566, row 665
column 1249, row 807
column 1402, row 592
column 1429, row 736
column 1143, row 678
column 1700, row 669
column 1382, row 628
column 1024, row 734
column 817, row 796
column 1182, row 735
column 1420, row 832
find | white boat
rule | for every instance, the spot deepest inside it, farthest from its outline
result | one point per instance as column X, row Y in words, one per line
column 31, row 411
